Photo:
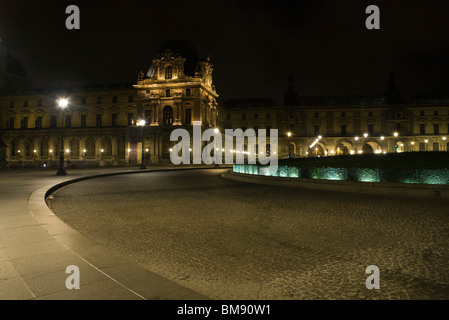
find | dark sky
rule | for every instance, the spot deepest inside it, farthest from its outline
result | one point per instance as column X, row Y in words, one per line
column 254, row 45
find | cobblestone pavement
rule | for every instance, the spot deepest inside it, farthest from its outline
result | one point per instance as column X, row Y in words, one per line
column 234, row 240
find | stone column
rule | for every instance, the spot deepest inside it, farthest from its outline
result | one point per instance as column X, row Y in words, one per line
column 155, row 115
column 176, row 114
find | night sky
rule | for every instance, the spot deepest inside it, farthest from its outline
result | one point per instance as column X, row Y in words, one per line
column 254, row 45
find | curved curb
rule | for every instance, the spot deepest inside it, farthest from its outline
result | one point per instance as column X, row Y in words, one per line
column 378, row 188
column 109, row 174
column 136, row 280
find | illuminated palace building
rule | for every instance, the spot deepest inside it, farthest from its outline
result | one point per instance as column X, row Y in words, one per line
column 102, row 124
column 328, row 126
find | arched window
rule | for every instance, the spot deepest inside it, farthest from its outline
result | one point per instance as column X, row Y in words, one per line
column 14, row 148
column 89, row 145
column 121, row 147
column 44, row 147
column 75, row 147
column 422, row 146
column 291, row 150
column 188, row 117
column 168, row 72
column 436, row 146
column 29, row 148
column 106, row 145
column 168, row 116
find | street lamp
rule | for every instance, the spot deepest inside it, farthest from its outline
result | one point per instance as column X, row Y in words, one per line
column 426, row 141
column 34, row 157
column 63, row 103
column 289, row 134
column 141, row 123
column 356, row 139
column 382, row 139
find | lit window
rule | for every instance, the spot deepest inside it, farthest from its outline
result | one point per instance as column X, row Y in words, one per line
column 168, row 72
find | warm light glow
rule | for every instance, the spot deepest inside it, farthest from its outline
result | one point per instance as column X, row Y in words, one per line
column 171, row 149
column 360, row 152
column 129, row 150
column 378, row 151
column 365, row 135
column 351, row 152
column 426, row 141
column 332, row 151
column 320, row 137
column 67, row 150
column 146, row 150
column 142, row 122
column 356, row 138
column 444, row 138
column 382, row 138
column 402, row 144
column 63, row 103
column 51, row 151
column 216, row 130
column 395, row 134
column 18, row 151
column 190, row 149
column 102, row 150
column 412, row 143
column 34, row 151
column 289, row 134
column 84, row 150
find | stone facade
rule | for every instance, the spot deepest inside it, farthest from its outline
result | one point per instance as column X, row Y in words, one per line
column 345, row 128
column 100, row 124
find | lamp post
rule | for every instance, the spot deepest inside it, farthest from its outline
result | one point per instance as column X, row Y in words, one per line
column 382, row 139
column 356, row 139
column 61, row 171
column 395, row 134
column 426, row 141
column 141, row 123
column 34, row 157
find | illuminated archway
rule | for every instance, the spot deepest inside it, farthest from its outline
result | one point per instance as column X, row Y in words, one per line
column 317, row 151
column 167, row 113
column 291, row 150
column 367, row 149
column 341, row 149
